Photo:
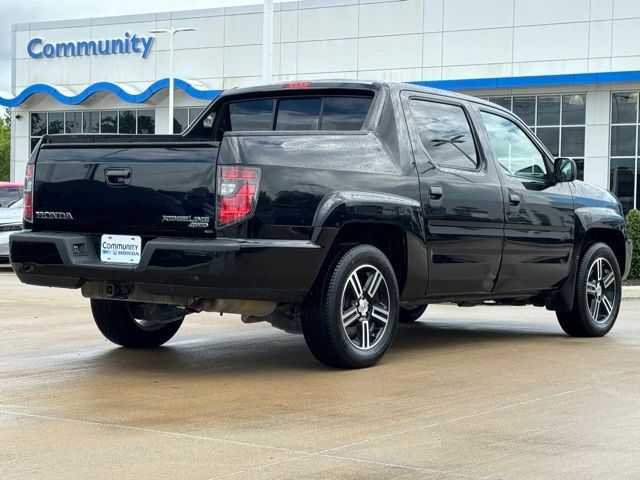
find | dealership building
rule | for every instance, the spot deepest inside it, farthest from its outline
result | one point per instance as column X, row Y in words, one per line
column 569, row 68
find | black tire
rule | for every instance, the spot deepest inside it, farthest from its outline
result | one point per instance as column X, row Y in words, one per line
column 333, row 341
column 410, row 315
column 117, row 324
column 586, row 319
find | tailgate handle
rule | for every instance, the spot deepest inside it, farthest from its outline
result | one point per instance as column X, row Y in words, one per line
column 118, row 176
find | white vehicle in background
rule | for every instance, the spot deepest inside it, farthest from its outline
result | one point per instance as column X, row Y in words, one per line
column 10, row 221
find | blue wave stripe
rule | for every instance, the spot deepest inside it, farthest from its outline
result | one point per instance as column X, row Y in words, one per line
column 466, row 84
column 533, row 81
column 113, row 88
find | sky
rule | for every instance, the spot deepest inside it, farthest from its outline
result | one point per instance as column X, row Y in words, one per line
column 25, row 11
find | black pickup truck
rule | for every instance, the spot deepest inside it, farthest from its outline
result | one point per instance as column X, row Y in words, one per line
column 335, row 209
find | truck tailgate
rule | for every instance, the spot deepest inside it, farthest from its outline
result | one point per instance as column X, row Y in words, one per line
column 126, row 186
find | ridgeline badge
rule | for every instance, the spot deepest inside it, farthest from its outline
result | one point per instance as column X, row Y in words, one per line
column 37, row 48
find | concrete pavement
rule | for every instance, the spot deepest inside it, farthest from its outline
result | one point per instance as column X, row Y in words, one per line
column 484, row 392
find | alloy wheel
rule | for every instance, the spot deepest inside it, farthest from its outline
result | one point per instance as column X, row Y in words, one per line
column 601, row 290
column 365, row 307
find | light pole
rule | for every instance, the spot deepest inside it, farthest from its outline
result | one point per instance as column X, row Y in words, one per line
column 171, row 31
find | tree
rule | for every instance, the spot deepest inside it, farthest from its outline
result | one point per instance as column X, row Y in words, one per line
column 5, row 145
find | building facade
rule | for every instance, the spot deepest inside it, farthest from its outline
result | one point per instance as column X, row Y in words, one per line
column 569, row 68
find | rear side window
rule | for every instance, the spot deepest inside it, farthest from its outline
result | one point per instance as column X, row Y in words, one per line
column 445, row 132
column 251, row 115
column 298, row 113
column 343, row 113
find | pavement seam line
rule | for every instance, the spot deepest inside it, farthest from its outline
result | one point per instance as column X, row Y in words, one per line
column 151, row 430
column 478, row 414
column 305, row 454
column 323, row 453
column 356, row 460
column 452, row 420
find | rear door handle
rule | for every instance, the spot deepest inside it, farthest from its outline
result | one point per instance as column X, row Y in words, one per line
column 435, row 193
column 514, row 199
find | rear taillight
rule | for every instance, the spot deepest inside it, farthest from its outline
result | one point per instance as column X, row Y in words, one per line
column 237, row 193
column 28, row 193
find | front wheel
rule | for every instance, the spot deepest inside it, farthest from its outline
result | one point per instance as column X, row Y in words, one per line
column 117, row 324
column 354, row 318
column 597, row 297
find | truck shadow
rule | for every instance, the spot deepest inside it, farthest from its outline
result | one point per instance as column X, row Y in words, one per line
column 434, row 334
column 272, row 351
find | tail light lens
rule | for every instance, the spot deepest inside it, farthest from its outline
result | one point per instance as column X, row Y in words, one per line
column 28, row 193
column 237, row 193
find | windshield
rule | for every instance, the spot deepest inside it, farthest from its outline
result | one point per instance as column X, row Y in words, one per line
column 18, row 204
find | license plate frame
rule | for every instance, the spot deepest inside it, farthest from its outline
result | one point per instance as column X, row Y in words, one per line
column 120, row 249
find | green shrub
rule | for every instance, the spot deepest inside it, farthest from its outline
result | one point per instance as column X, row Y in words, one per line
column 5, row 146
column 633, row 224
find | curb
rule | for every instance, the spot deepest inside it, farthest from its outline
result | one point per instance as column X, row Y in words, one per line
column 631, row 292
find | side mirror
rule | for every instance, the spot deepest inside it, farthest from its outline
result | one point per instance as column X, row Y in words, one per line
column 565, row 169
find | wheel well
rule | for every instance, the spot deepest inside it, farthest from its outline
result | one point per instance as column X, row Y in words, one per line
column 390, row 239
column 613, row 238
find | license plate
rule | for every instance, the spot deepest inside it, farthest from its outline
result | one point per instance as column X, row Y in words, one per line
column 120, row 249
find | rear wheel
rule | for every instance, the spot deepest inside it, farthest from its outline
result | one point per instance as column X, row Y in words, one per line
column 597, row 297
column 117, row 324
column 354, row 318
column 411, row 314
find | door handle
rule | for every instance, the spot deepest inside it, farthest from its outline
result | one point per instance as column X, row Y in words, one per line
column 435, row 193
column 118, row 176
column 514, row 199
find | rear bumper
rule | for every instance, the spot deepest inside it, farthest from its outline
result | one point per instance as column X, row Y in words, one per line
column 275, row 270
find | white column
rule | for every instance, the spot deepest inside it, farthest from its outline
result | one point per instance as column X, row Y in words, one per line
column 12, row 157
column 596, row 147
column 171, row 81
column 267, row 42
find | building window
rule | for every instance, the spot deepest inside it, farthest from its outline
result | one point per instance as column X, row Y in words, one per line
column 557, row 120
column 73, row 122
column 184, row 117
column 108, row 122
column 624, row 151
column 91, row 121
column 127, row 121
column 146, row 122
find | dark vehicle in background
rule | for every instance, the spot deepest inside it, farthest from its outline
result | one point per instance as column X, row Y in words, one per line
column 10, row 192
column 335, row 209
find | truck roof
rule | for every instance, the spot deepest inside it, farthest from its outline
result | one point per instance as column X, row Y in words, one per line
column 354, row 84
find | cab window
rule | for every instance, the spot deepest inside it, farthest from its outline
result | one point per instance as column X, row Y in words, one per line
column 445, row 133
column 513, row 149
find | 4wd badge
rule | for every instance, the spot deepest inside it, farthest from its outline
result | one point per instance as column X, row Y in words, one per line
column 194, row 222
